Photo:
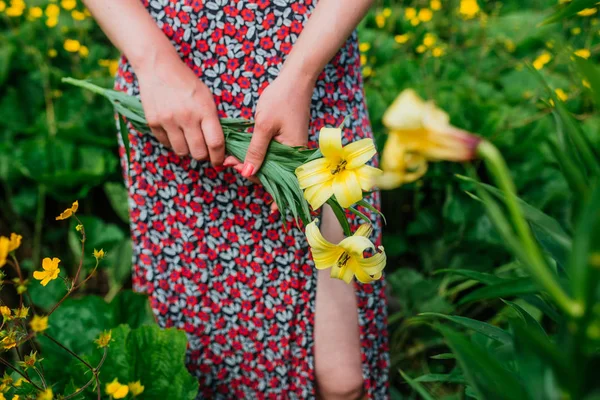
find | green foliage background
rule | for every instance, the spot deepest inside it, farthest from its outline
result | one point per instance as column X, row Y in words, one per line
column 58, row 143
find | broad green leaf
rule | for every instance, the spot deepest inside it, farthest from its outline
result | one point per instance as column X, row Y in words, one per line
column 570, row 10
column 491, row 379
column 530, row 322
column 491, row 331
column 416, row 386
column 485, row 278
column 509, row 288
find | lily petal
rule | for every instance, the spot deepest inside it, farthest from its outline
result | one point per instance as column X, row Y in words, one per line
column 344, row 273
column 356, row 245
column 330, row 143
column 314, row 173
column 317, row 195
column 364, row 230
column 367, row 176
column 315, row 238
column 374, row 264
column 346, row 188
column 359, row 152
column 325, row 254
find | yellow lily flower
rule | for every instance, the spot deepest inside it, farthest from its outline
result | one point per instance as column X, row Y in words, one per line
column 346, row 259
column 419, row 132
column 341, row 172
column 50, row 271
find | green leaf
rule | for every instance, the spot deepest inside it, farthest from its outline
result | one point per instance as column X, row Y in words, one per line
column 488, row 279
column 446, row 378
column 592, row 74
column 570, row 10
column 509, row 288
column 340, row 215
column 491, row 379
column 416, row 386
column 491, row 331
column 530, row 322
column 118, row 198
column 444, row 356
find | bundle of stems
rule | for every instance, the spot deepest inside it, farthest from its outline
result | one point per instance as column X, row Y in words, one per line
column 276, row 174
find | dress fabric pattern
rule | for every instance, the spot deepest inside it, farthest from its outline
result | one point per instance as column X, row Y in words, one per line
column 214, row 260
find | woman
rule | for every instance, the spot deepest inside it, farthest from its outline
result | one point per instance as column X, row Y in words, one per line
column 213, row 256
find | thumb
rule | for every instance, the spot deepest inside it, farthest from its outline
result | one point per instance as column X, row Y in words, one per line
column 256, row 152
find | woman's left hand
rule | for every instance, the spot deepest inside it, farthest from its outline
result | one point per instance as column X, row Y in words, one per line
column 282, row 114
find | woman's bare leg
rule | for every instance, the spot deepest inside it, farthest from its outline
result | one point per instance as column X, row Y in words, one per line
column 338, row 365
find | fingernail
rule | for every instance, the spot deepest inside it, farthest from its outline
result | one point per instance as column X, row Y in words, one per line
column 248, row 170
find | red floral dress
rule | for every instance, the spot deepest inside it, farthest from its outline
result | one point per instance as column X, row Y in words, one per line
column 214, row 260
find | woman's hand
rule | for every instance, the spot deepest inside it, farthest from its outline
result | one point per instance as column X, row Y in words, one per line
column 180, row 109
column 282, row 113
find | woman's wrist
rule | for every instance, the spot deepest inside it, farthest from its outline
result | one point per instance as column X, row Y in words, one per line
column 146, row 58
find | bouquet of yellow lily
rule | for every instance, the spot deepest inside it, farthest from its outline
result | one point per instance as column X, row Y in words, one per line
column 296, row 178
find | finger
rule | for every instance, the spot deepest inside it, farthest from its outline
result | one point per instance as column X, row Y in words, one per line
column 177, row 139
column 256, row 151
column 215, row 141
column 161, row 135
column 195, row 141
column 231, row 161
column 254, row 179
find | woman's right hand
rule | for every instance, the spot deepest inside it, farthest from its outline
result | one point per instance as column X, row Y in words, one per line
column 180, row 109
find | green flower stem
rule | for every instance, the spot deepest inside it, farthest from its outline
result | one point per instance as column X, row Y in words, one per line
column 535, row 261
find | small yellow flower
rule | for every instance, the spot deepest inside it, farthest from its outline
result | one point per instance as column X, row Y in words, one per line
column 421, row 49
column 363, row 59
column 380, row 20
column 387, row 12
column 583, row 53
column 542, row 60
column 425, row 15
column 21, row 312
column 84, row 51
column 435, row 5
column 51, row 22
column 116, row 390
column 410, row 13
column 576, row 30
column 136, row 388
column 35, row 12
column 364, row 47
column 419, row 131
column 50, row 271
column 586, row 83
column 39, row 324
column 79, row 228
column 561, row 94
column 14, row 11
column 415, row 21
column 367, row 71
column 401, row 39
column 587, row 12
column 52, row 11
column 30, row 360
column 4, row 246
column 19, row 382
column 5, row 311
column 52, row 53
column 99, row 254
column 104, row 339
column 2, row 6
column 437, row 52
column 346, row 259
column 68, row 4
column 9, row 341
column 468, row 8
column 15, row 242
column 72, row 45
column 77, row 15
column 45, row 395
column 69, row 211
column 342, row 171
column 429, row 40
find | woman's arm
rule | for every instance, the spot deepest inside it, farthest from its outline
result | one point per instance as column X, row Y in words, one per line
column 179, row 108
column 284, row 107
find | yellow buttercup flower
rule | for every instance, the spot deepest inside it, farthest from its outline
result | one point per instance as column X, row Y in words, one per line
column 5, row 311
column 84, row 51
column 347, row 259
column 421, row 49
column 468, row 8
column 9, row 341
column 437, row 52
column 52, row 53
column 4, row 246
column 380, row 20
column 425, row 15
column 410, row 13
column 415, row 21
column 586, row 83
column 342, row 171
column 587, row 12
column 21, row 312
column 14, row 11
column 52, row 11
column 2, row 6
column 364, row 47
column 45, row 395
column 112, row 65
column 72, row 45
column 50, row 271
column 35, row 12
column 136, row 388
column 104, row 339
column 583, row 53
column 400, row 39
column 99, row 254
column 77, row 15
column 39, row 324
column 542, row 60
column 387, row 12
column 561, row 94
column 51, row 22
column 435, row 5
column 69, row 211
column 576, row 30
column 116, row 390
column 15, row 242
column 68, row 4
column 419, row 132
column 429, row 40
